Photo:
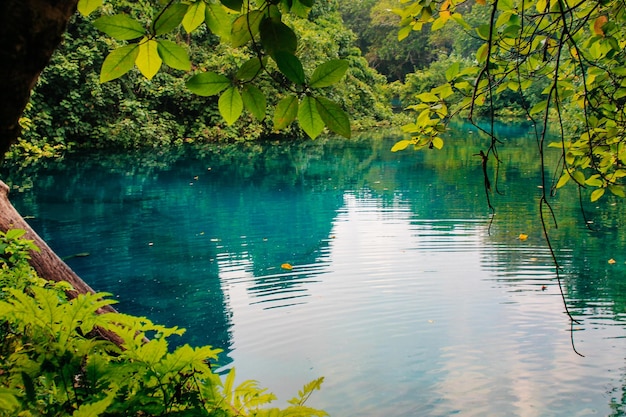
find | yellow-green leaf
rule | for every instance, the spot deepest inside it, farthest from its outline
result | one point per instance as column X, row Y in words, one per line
column 437, row 142
column 194, row 16
column 328, row 73
column 86, row 7
column 401, row 145
column 245, row 27
column 230, row 105
column 254, row 101
column 120, row 26
column 218, row 20
column 207, row 84
column 335, row 118
column 174, row 55
column 596, row 194
column 148, row 60
column 285, row 112
column 309, row 118
column 169, row 18
column 118, row 62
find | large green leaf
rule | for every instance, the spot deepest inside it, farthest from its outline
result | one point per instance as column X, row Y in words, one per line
column 309, row 117
column 218, row 20
column 118, row 62
column 148, row 60
column 194, row 16
column 120, row 26
column 328, row 73
column 290, row 66
column 285, row 112
column 245, row 27
column 207, row 84
column 277, row 36
column 86, row 7
column 254, row 101
column 173, row 55
column 335, row 118
column 230, row 105
column 169, row 18
column 249, row 69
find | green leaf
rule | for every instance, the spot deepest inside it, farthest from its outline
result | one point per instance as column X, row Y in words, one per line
column 249, row 69
column 401, row 145
column 86, row 7
column 233, row 4
column 120, row 26
column 217, row 20
column 617, row 190
column 173, row 55
column 285, row 112
column 95, row 409
column 563, row 180
column 329, row 73
column 170, row 18
column 277, row 36
column 194, row 16
column 207, row 84
column 452, row 71
column 290, row 66
column 118, row 62
column 596, row 194
column 230, row 105
column 539, row 107
column 335, row 118
column 254, row 101
column 437, row 142
column 245, row 27
column 148, row 60
column 308, row 116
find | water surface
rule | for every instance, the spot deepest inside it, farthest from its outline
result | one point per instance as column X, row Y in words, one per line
column 401, row 294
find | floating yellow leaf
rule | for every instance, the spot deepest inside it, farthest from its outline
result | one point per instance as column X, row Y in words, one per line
column 612, row 261
column 522, row 236
column 287, row 266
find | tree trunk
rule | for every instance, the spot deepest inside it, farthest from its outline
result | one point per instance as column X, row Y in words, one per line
column 30, row 31
column 47, row 264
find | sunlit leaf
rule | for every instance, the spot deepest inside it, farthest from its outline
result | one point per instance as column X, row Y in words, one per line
column 118, row 62
column 329, row 73
column 401, row 145
column 597, row 194
column 287, row 266
column 290, row 66
column 617, row 190
column 207, row 84
column 217, row 20
column 148, row 60
column 173, row 55
column 169, row 19
column 194, row 16
column 563, row 180
column 309, row 118
column 437, row 142
column 254, row 101
column 120, row 26
column 285, row 112
column 230, row 105
column 86, row 7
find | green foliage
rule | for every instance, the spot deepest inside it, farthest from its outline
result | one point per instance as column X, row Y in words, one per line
column 567, row 56
column 51, row 365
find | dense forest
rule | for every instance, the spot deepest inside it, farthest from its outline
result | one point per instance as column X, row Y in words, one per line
column 71, row 109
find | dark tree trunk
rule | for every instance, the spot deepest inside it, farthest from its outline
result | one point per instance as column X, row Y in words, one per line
column 30, row 31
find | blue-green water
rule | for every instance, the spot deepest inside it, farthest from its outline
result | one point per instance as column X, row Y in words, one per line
column 400, row 295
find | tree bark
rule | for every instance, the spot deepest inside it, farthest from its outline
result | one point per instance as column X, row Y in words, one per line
column 47, row 264
column 30, row 31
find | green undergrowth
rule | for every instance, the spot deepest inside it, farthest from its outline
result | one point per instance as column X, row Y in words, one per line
column 52, row 365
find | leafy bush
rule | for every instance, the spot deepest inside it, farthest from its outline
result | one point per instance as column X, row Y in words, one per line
column 50, row 364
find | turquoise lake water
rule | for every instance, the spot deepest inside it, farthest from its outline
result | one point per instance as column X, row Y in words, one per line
column 401, row 294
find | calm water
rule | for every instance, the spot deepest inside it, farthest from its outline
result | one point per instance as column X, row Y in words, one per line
column 400, row 295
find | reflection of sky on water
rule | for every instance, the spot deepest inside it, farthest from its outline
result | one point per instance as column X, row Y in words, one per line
column 409, row 317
